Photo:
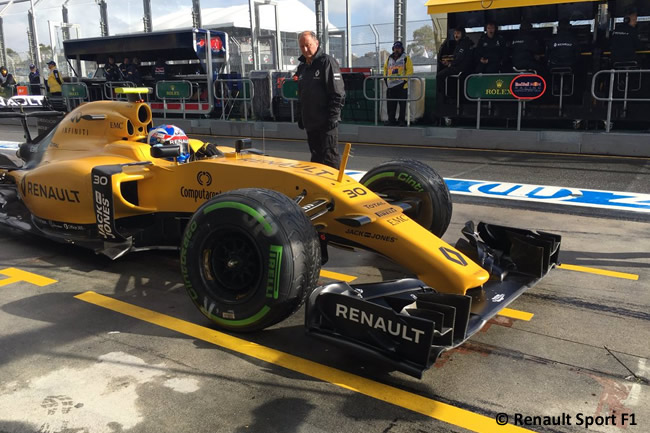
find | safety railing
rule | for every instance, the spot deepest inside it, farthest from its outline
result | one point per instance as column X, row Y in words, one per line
column 500, row 92
column 378, row 99
column 176, row 90
column 610, row 99
column 110, row 86
column 229, row 94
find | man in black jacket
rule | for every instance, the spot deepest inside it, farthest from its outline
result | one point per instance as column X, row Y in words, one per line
column 34, row 80
column 320, row 97
column 564, row 49
column 625, row 39
column 462, row 59
column 525, row 49
column 490, row 51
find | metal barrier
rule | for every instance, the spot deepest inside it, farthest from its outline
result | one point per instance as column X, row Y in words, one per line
column 109, row 90
column 230, row 98
column 408, row 99
column 610, row 98
column 503, row 99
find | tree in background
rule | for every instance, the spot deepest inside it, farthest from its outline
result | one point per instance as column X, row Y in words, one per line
column 46, row 53
column 13, row 62
column 424, row 42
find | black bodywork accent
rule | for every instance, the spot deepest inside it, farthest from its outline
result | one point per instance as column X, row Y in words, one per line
column 406, row 325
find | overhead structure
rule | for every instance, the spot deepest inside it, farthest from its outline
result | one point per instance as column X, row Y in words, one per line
column 451, row 6
column 399, row 20
column 32, row 35
column 65, row 31
column 322, row 29
column 146, row 18
column 254, row 11
column 3, row 48
column 103, row 18
column 348, row 34
column 196, row 14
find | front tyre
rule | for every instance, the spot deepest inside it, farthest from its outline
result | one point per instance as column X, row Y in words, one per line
column 417, row 184
column 249, row 259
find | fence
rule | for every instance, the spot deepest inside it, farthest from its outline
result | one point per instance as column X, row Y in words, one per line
column 610, row 99
column 379, row 98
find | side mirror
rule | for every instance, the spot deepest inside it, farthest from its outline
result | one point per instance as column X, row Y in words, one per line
column 168, row 151
column 243, row 143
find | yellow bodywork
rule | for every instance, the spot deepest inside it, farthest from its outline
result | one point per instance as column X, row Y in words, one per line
column 105, row 133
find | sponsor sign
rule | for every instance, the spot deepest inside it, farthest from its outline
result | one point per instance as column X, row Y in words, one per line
column 74, row 91
column 625, row 201
column 552, row 194
column 173, row 90
column 103, row 201
column 370, row 323
column 489, row 87
column 25, row 101
column 527, row 86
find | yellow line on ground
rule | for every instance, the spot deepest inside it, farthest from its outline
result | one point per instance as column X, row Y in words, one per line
column 16, row 275
column 337, row 276
column 516, row 314
column 389, row 394
column 599, row 272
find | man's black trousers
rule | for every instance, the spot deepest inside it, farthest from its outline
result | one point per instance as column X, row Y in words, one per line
column 397, row 92
column 324, row 148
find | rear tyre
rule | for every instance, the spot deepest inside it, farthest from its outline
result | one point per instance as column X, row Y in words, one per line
column 249, row 259
column 417, row 184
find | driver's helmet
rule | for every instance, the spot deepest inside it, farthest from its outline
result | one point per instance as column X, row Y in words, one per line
column 168, row 135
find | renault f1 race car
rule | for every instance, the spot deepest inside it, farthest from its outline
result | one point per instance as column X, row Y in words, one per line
column 254, row 230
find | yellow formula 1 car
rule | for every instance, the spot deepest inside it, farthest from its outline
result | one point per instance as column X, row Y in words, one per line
column 253, row 231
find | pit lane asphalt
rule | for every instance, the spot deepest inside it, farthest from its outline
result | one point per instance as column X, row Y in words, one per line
column 68, row 365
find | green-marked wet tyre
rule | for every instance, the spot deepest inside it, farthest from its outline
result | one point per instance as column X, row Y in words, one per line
column 417, row 184
column 249, row 258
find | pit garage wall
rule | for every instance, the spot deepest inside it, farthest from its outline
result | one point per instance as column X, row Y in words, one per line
column 595, row 143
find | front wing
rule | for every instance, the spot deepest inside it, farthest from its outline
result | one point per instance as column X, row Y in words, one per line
column 406, row 325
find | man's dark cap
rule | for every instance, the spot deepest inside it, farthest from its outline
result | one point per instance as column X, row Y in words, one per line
column 51, row 62
column 398, row 44
column 32, row 66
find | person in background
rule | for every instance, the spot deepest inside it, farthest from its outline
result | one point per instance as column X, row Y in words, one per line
column 462, row 59
column 111, row 70
column 133, row 72
column 321, row 96
column 563, row 49
column 6, row 82
column 446, row 51
column 159, row 71
column 34, row 80
column 398, row 63
column 625, row 38
column 54, row 80
column 525, row 49
column 124, row 68
column 490, row 50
